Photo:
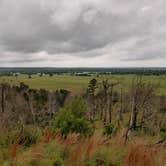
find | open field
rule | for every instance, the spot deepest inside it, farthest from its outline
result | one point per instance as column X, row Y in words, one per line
column 77, row 84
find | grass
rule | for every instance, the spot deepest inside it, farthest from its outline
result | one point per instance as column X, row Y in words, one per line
column 77, row 84
column 80, row 151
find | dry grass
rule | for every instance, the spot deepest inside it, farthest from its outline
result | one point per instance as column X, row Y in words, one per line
column 84, row 148
column 12, row 152
column 140, row 154
column 13, row 147
column 99, row 149
column 72, row 138
column 47, row 135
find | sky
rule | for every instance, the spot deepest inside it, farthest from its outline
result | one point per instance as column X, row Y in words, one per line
column 82, row 33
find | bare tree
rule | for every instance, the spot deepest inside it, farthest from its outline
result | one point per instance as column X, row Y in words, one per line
column 107, row 92
column 141, row 104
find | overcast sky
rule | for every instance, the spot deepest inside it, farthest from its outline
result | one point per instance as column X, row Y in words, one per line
column 81, row 33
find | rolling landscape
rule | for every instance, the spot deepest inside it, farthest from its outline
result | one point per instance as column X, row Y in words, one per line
column 82, row 83
column 85, row 117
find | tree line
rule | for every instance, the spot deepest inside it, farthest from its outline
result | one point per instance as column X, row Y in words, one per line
column 138, row 109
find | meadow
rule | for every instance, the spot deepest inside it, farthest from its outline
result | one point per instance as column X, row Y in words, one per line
column 78, row 84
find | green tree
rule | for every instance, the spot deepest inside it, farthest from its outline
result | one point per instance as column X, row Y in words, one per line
column 92, row 86
column 72, row 118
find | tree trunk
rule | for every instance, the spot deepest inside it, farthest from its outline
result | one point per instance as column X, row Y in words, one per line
column 134, row 123
column 110, row 104
column 3, row 105
column 32, row 111
column 2, row 98
column 121, row 106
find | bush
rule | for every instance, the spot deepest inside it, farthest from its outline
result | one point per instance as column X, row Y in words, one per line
column 55, row 153
column 25, row 137
column 29, row 136
column 53, row 156
column 163, row 133
column 71, row 118
column 108, row 129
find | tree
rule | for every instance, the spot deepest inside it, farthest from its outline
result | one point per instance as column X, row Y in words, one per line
column 3, row 88
column 141, row 105
column 60, row 96
column 29, row 76
column 50, row 74
column 2, row 97
column 92, row 86
column 72, row 118
column 107, row 91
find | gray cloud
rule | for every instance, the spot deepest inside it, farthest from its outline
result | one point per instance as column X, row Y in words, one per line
column 124, row 30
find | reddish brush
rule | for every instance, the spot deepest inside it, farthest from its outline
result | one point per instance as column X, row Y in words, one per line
column 71, row 139
column 95, row 143
column 13, row 146
column 36, row 152
column 91, row 144
column 139, row 155
column 89, row 148
column 75, row 155
column 58, row 137
column 12, row 152
column 47, row 135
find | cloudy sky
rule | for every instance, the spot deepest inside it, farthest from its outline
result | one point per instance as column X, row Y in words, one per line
column 81, row 33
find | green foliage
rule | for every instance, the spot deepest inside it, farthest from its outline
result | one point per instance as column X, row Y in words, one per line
column 39, row 96
column 51, row 74
column 108, row 129
column 111, row 156
column 25, row 136
column 106, row 155
column 163, row 133
column 115, row 97
column 54, row 156
column 29, row 136
column 29, row 76
column 61, row 95
column 23, row 86
column 72, row 118
column 4, row 140
column 92, row 86
column 163, row 110
column 55, row 153
column 78, row 83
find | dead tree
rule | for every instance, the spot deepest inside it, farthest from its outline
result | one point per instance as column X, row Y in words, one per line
column 121, row 109
column 141, row 99
column 3, row 89
column 2, row 98
column 107, row 89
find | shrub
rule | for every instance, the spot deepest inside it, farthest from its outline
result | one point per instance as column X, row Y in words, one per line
column 71, row 118
column 25, row 136
column 55, row 153
column 108, row 129
column 29, row 136
column 61, row 95
column 163, row 133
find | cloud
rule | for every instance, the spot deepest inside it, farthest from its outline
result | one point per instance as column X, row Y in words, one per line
column 120, row 30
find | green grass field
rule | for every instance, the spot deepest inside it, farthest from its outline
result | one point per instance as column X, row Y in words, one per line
column 77, row 84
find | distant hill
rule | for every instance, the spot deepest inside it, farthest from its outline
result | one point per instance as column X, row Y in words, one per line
column 130, row 70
